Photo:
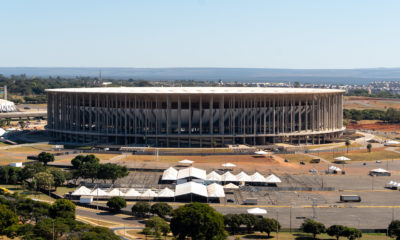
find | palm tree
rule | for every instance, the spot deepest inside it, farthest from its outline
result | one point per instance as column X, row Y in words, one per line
column 369, row 147
column 347, row 143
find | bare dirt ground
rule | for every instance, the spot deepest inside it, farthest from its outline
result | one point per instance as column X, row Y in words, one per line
column 375, row 126
column 360, row 103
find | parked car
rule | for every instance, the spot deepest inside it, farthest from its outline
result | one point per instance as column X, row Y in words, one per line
column 378, row 161
column 302, row 163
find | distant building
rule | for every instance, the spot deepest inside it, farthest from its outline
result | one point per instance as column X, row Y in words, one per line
column 194, row 116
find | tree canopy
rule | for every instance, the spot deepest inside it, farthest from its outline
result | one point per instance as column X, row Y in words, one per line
column 198, row 221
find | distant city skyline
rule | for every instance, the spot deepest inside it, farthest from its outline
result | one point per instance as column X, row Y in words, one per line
column 235, row 34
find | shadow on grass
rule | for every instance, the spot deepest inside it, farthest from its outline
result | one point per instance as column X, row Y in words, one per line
column 305, row 236
column 254, row 236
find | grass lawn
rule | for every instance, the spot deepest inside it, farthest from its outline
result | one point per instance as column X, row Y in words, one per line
column 295, row 157
column 30, row 194
column 363, row 155
column 63, row 190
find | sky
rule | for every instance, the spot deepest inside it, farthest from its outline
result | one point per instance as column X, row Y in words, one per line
column 306, row 34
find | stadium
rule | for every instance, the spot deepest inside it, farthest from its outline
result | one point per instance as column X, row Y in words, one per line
column 194, row 116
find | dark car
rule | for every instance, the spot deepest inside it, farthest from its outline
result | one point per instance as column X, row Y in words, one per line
column 302, row 163
column 27, row 108
column 230, row 200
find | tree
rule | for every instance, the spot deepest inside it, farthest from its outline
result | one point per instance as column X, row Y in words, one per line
column 394, row 229
column 44, row 180
column 336, row 231
column 30, row 170
column 198, row 221
column 116, row 203
column 45, row 157
column 111, row 171
column 59, row 177
column 161, row 209
column 233, row 221
column 314, row 227
column 62, row 208
column 267, row 225
column 369, row 147
column 347, row 143
column 158, row 226
column 249, row 220
column 141, row 209
column 352, row 233
column 7, row 217
column 44, row 228
column 90, row 168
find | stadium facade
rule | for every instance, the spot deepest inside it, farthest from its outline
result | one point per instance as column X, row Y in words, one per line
column 194, row 116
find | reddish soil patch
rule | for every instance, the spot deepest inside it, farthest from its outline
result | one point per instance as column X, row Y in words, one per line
column 376, row 127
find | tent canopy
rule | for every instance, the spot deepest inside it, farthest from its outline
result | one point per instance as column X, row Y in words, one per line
column 343, row 158
column 215, row 190
column 379, row 170
column 166, row 192
column 261, row 152
column 186, row 161
column 191, row 172
column 191, row 188
column 229, row 177
column 115, row 192
column 243, row 177
column 82, row 191
column 132, row 193
column 228, row 165
column 213, row 176
column 273, row 179
column 148, row 193
column 256, row 211
column 231, row 186
column 170, row 174
column 98, row 192
column 257, row 177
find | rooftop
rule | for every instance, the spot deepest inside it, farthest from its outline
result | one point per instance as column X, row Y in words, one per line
column 197, row 90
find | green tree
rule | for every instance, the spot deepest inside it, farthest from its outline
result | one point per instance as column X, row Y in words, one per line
column 369, row 147
column 90, row 169
column 352, row 233
column 45, row 158
column 141, row 209
column 314, row 227
column 30, row 170
column 267, row 225
column 7, row 218
column 198, row 221
column 347, row 143
column 111, row 171
column 62, row 208
column 44, row 180
column 249, row 220
column 44, row 228
column 59, row 177
column 394, row 229
column 116, row 203
column 157, row 225
column 233, row 221
column 161, row 209
column 336, row 231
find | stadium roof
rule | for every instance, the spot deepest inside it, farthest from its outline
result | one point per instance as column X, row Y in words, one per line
column 196, row 90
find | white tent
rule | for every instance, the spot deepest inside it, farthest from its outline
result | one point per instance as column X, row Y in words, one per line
column 334, row 168
column 191, row 172
column 256, row 211
column 166, row 192
column 186, row 161
column 213, row 176
column 257, row 177
column 261, row 152
column 2, row 132
column 98, row 192
column 229, row 177
column 231, row 186
column 392, row 142
column 148, row 194
column 82, row 191
column 215, row 190
column 343, row 158
column 273, row 179
column 170, row 174
column 132, row 193
column 379, row 170
column 115, row 192
column 191, row 188
column 243, row 177
column 228, row 165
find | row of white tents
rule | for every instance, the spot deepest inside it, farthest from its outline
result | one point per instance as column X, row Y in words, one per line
column 393, row 185
column 212, row 190
column 171, row 174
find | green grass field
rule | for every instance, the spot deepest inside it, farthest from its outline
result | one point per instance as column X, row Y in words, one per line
column 30, row 194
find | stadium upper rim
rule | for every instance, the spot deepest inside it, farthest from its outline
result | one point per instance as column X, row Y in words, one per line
column 196, row 90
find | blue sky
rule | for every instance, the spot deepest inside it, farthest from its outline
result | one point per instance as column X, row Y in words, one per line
column 203, row 33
